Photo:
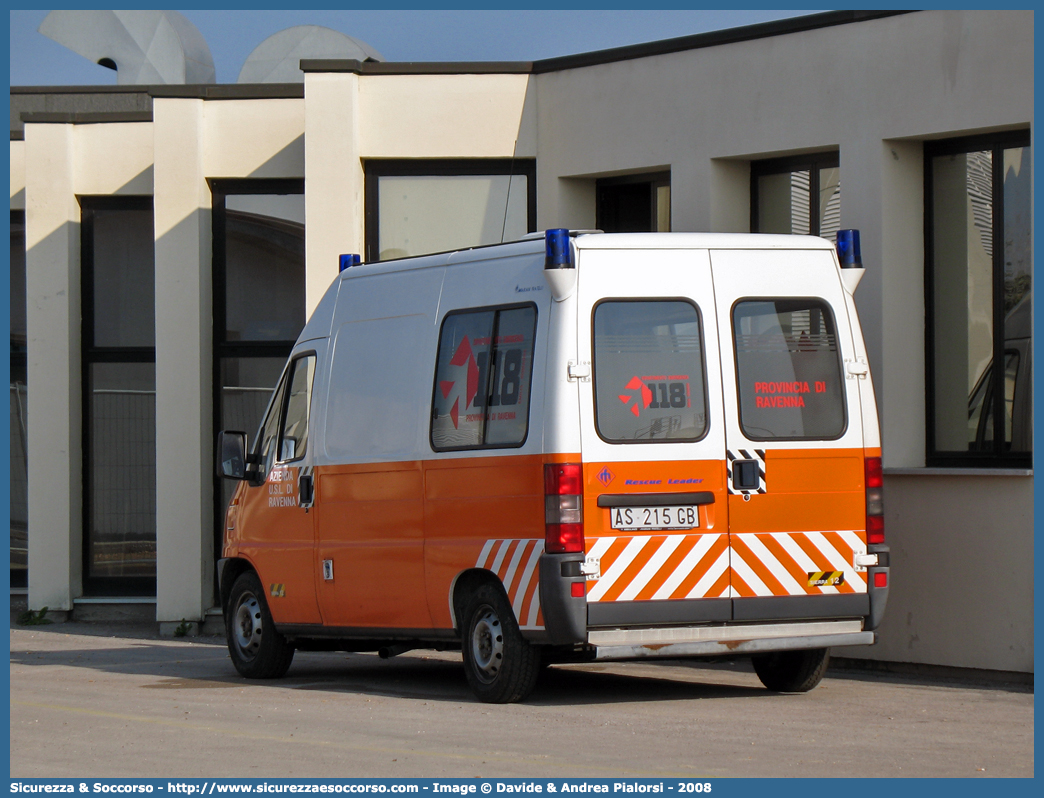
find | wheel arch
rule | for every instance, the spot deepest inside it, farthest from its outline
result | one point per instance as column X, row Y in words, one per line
column 463, row 585
column 229, row 571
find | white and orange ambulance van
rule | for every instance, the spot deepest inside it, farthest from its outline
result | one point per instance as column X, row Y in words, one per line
column 574, row 447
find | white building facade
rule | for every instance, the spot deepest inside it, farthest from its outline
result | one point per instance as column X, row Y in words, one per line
column 172, row 240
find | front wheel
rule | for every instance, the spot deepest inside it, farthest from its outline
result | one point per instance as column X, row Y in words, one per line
column 792, row 671
column 258, row 651
column 501, row 665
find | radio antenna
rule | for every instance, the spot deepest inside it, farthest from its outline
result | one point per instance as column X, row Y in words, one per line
column 507, row 201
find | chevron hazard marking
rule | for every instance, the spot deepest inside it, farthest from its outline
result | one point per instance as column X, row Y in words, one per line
column 516, row 564
column 660, row 567
column 784, row 563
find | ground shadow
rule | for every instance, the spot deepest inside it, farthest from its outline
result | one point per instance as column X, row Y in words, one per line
column 203, row 663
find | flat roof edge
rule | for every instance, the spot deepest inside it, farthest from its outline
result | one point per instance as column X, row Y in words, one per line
column 417, row 67
column 78, row 118
column 216, row 91
column 697, row 41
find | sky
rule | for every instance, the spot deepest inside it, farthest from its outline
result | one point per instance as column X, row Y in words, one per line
column 399, row 35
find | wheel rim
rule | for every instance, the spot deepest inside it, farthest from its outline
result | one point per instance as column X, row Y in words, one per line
column 246, row 626
column 487, row 645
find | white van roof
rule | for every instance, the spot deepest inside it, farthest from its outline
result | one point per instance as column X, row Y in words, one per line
column 698, row 241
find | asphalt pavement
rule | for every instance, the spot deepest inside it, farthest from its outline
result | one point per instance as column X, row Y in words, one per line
column 112, row 700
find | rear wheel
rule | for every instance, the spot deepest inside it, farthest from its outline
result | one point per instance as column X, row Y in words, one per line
column 792, row 671
column 258, row 651
column 500, row 664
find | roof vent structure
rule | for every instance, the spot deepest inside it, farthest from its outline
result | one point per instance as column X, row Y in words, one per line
column 144, row 47
column 277, row 59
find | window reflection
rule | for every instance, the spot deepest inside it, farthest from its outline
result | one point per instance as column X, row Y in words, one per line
column 121, row 475
column 981, row 335
column 799, row 195
column 429, row 213
column 264, row 267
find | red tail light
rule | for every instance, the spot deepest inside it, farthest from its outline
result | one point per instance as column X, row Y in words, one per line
column 874, row 500
column 563, row 508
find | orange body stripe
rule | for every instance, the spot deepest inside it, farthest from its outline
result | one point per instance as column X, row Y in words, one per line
column 758, row 567
column 700, row 570
column 632, row 570
column 784, row 558
column 669, row 566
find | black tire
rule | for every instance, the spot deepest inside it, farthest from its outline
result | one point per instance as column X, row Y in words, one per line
column 501, row 665
column 258, row 651
column 792, row 671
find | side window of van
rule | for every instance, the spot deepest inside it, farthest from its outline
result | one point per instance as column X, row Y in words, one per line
column 284, row 436
column 649, row 371
column 294, row 439
column 268, row 439
column 483, row 378
column 788, row 369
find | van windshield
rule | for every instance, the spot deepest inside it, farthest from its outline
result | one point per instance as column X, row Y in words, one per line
column 648, row 371
column 788, row 369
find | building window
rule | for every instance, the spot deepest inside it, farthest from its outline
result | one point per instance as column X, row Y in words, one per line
column 425, row 206
column 799, row 195
column 634, row 203
column 119, row 395
column 259, row 301
column 19, row 407
column 978, row 286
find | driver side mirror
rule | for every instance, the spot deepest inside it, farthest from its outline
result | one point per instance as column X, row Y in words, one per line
column 231, row 455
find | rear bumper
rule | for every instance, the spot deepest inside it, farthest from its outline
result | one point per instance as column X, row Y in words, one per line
column 703, row 627
column 705, row 641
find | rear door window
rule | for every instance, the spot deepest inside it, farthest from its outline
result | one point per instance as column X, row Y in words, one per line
column 788, row 369
column 649, row 371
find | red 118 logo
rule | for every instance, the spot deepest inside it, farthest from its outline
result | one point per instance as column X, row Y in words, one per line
column 661, row 392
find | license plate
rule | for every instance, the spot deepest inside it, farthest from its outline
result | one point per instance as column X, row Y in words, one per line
column 630, row 519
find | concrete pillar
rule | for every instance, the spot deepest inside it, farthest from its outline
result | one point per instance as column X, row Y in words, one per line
column 861, row 202
column 729, row 196
column 565, row 202
column 902, row 407
column 52, row 236
column 184, row 435
column 334, row 199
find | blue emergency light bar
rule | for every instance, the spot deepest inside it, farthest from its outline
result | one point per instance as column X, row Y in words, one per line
column 347, row 261
column 848, row 249
column 557, row 249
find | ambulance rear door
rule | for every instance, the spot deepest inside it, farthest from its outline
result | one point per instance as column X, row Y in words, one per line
column 795, row 471
column 652, row 434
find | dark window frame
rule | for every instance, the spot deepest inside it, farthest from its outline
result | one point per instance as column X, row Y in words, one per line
column 221, row 189
column 376, row 168
column 496, row 310
column 654, row 179
column 703, row 375
column 19, row 362
column 813, row 162
column 89, row 356
column 840, row 366
column 998, row 458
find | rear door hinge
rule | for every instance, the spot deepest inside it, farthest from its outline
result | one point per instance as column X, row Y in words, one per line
column 857, row 368
column 579, row 371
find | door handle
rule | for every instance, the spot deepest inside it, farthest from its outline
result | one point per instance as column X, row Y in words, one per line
column 745, row 475
column 305, row 490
